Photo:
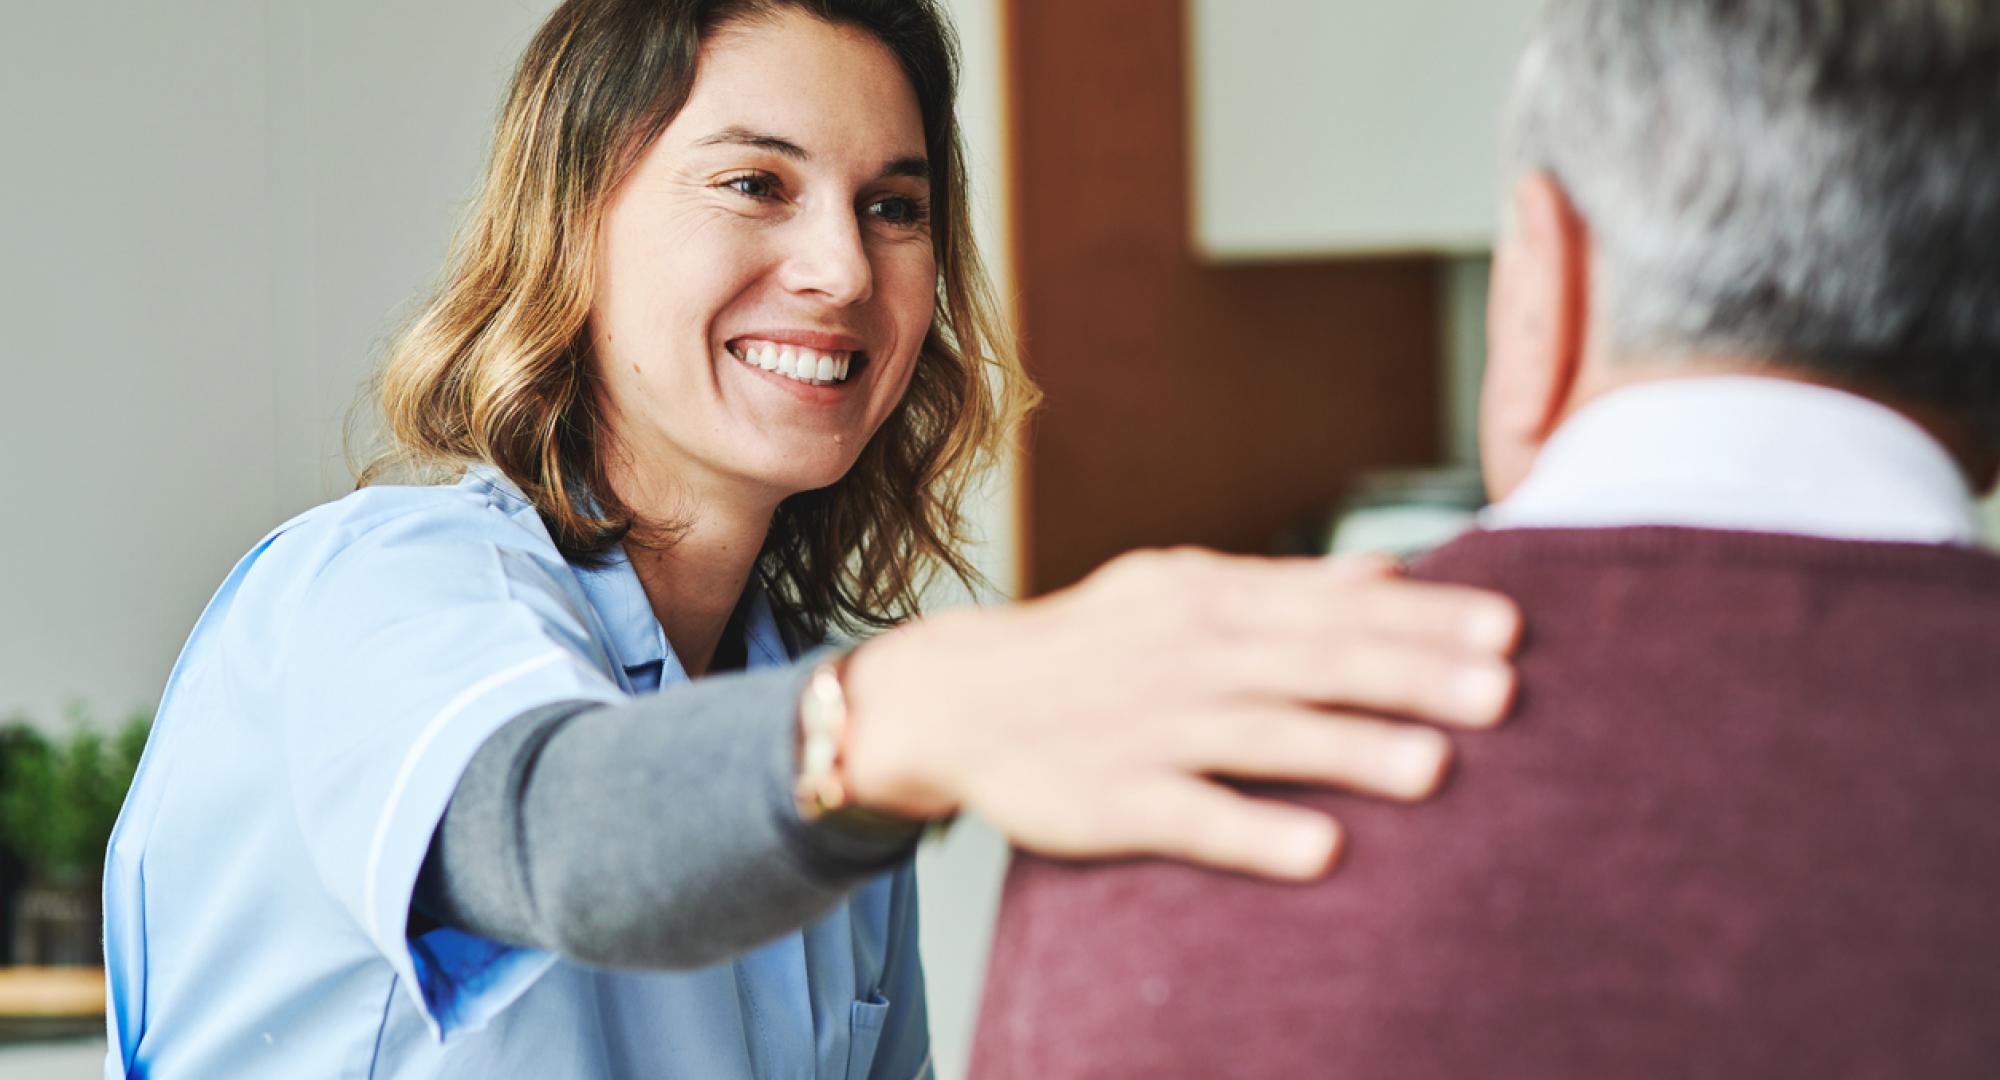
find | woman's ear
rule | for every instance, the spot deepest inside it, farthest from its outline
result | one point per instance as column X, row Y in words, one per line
column 1536, row 322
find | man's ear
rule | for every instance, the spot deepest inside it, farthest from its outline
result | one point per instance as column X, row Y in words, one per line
column 1536, row 322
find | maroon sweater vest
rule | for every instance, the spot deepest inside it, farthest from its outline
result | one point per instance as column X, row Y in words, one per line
column 1744, row 823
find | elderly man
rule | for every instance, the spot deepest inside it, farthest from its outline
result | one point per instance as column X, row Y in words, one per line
column 1744, row 384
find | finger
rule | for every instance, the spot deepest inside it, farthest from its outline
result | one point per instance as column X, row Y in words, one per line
column 1272, row 597
column 1362, row 567
column 1371, row 757
column 1370, row 675
column 1196, row 821
column 1449, row 616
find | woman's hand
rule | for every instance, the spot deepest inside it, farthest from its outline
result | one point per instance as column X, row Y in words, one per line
column 1087, row 724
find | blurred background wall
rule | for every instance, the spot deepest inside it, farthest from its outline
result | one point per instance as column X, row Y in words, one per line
column 215, row 214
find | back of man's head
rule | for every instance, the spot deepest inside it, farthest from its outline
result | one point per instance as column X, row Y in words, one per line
column 1813, row 184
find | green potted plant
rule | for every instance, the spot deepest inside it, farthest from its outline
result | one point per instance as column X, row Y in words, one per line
column 59, row 798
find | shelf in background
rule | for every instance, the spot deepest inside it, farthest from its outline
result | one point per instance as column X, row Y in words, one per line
column 50, row 1002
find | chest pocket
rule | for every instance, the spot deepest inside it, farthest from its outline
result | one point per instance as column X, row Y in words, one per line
column 864, row 1031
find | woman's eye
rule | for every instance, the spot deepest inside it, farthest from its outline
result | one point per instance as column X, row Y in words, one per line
column 753, row 186
column 900, row 210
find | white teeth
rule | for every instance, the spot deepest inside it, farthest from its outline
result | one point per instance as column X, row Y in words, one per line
column 805, row 365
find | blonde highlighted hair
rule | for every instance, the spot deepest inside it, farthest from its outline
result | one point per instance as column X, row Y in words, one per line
column 497, row 367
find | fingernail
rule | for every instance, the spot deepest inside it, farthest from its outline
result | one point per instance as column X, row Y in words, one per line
column 1422, row 760
column 1483, row 692
column 1493, row 627
column 1308, row 848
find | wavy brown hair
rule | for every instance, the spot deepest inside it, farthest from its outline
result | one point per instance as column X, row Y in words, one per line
column 497, row 368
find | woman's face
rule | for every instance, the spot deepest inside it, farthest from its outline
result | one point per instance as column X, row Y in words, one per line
column 766, row 274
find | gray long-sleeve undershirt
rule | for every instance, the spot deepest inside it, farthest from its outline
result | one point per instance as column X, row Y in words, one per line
column 657, row 833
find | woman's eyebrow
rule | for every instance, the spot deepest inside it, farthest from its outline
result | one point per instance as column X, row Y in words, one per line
column 914, row 165
column 742, row 136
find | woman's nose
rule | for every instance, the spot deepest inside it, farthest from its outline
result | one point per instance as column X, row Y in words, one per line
column 829, row 259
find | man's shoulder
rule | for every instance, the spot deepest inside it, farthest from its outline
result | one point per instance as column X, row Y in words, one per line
column 1619, row 599
column 1571, row 559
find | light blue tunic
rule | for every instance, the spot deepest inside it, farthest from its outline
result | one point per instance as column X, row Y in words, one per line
column 259, row 881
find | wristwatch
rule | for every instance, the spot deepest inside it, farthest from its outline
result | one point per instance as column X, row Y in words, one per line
column 820, row 790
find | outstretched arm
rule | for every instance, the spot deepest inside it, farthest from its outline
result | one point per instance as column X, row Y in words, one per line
column 657, row 833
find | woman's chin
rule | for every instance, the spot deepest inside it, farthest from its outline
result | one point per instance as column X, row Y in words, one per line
column 785, row 475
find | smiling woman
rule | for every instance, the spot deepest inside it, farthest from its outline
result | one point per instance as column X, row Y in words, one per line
column 543, row 770
column 644, row 204
column 786, row 223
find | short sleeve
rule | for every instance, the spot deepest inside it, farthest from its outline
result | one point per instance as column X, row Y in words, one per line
column 416, row 636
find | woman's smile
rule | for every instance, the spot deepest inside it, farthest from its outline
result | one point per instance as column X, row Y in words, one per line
column 798, row 365
column 807, row 358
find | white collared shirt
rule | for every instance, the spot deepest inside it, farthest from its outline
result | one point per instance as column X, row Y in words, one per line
column 1749, row 454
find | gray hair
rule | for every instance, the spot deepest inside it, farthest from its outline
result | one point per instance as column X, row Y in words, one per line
column 1812, row 183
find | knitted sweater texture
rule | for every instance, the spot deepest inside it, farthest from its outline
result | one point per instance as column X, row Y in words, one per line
column 1745, row 822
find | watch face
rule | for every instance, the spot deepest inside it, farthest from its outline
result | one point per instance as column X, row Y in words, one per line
column 822, row 725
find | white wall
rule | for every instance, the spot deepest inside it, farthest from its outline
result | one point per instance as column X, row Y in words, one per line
column 387, row 109
column 213, row 214
column 1341, row 126
column 212, row 217
column 136, row 298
